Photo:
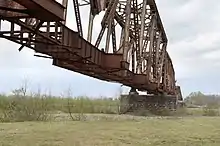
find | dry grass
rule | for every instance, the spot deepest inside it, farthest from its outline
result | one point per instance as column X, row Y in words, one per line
column 149, row 131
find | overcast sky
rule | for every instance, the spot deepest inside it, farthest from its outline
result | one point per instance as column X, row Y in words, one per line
column 193, row 31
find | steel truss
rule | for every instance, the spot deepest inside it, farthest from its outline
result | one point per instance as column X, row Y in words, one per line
column 137, row 58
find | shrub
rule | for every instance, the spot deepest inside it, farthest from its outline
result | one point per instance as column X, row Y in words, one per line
column 24, row 109
column 207, row 111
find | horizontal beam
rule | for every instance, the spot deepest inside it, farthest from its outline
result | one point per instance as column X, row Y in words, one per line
column 47, row 10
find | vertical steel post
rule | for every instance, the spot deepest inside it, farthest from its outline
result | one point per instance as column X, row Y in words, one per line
column 157, row 55
column 78, row 17
column 162, row 63
column 108, row 37
column 65, row 4
column 90, row 27
column 142, row 32
column 152, row 32
column 126, row 30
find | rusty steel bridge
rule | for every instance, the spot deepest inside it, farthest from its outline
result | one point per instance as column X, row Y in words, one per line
column 137, row 58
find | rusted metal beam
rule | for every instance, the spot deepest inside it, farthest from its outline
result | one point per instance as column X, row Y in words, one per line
column 78, row 17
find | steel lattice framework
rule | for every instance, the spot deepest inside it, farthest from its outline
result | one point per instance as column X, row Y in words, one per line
column 137, row 58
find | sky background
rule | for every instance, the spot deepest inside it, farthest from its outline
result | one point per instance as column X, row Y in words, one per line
column 193, row 31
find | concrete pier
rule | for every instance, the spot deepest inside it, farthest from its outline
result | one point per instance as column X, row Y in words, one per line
column 134, row 102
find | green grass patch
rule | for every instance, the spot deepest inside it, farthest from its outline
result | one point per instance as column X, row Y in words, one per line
column 156, row 131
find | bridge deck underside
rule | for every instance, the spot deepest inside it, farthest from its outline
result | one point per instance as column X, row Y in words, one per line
column 67, row 49
column 84, row 58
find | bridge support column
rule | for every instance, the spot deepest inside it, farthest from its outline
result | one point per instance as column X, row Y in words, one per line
column 134, row 102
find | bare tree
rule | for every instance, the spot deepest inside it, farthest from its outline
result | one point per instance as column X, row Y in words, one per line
column 24, row 87
column 69, row 96
column 39, row 91
column 22, row 90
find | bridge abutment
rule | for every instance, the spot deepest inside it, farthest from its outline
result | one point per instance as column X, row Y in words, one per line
column 134, row 102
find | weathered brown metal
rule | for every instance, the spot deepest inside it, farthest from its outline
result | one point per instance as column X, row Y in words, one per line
column 141, row 61
column 97, row 6
column 44, row 9
column 17, row 9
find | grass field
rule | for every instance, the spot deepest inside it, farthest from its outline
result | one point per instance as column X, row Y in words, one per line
column 95, row 122
column 154, row 131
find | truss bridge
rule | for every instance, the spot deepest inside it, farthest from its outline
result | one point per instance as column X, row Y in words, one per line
column 130, row 48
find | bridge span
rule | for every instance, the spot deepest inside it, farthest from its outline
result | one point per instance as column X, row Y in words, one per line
column 137, row 58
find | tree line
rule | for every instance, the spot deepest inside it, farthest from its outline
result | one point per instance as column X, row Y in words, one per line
column 198, row 99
